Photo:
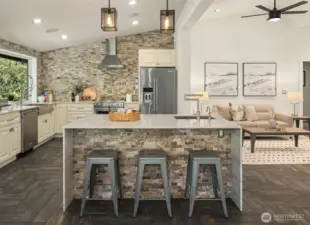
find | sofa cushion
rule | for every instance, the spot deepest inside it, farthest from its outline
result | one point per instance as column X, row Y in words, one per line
column 224, row 111
column 262, row 123
column 264, row 111
column 250, row 113
column 246, row 123
column 236, row 112
column 282, row 124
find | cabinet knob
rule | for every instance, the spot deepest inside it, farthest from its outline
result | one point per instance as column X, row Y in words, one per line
column 45, row 121
column 12, row 129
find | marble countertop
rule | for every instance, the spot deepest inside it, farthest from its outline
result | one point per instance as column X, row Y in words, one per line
column 11, row 109
column 150, row 121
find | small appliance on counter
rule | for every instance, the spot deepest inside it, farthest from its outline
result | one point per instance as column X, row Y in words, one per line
column 105, row 107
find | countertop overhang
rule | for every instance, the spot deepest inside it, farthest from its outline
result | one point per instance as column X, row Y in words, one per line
column 151, row 121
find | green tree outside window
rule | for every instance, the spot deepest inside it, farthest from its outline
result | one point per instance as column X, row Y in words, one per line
column 13, row 74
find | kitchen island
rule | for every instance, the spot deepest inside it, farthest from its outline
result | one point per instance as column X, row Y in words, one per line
column 177, row 137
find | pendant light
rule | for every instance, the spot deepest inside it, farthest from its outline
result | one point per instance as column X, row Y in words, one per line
column 108, row 19
column 167, row 20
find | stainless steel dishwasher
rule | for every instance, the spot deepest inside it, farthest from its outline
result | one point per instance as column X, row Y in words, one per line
column 29, row 129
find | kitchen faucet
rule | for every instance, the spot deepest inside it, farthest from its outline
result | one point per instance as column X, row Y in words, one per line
column 194, row 99
column 208, row 110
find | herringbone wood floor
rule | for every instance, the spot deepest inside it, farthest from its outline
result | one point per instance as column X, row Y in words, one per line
column 30, row 194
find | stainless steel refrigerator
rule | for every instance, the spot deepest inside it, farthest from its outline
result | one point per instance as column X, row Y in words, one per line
column 158, row 90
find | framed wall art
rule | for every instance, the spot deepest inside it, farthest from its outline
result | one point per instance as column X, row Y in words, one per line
column 260, row 79
column 221, row 79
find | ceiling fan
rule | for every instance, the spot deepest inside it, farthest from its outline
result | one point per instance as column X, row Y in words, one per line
column 275, row 14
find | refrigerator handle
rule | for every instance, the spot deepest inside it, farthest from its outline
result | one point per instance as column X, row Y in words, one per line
column 156, row 89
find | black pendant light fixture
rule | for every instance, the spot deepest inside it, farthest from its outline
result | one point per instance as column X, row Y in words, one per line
column 108, row 19
column 167, row 20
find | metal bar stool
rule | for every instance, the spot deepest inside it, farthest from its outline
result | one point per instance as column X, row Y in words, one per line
column 152, row 157
column 95, row 159
column 196, row 159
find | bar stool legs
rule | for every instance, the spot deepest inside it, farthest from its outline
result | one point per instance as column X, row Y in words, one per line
column 193, row 187
column 140, row 171
column 163, row 164
column 204, row 158
column 95, row 159
column 220, row 179
column 164, row 172
column 86, row 184
column 114, row 186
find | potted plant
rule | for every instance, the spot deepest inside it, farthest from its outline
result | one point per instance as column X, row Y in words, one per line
column 78, row 90
column 11, row 98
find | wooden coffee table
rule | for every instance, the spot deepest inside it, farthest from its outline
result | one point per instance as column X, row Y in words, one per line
column 255, row 131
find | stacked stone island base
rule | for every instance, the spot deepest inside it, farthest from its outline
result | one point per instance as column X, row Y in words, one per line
column 177, row 138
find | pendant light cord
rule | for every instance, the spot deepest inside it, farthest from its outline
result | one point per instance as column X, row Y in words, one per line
column 167, row 4
column 275, row 4
column 109, row 3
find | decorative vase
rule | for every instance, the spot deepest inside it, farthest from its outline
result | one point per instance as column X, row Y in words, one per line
column 77, row 98
column 272, row 124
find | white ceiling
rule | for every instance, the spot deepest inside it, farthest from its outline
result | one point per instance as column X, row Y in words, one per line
column 79, row 19
column 236, row 8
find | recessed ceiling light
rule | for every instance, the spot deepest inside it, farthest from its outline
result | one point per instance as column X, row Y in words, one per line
column 132, row 2
column 63, row 37
column 135, row 23
column 217, row 10
column 37, row 21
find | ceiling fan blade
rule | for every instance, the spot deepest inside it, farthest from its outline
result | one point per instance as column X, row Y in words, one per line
column 262, row 14
column 293, row 6
column 295, row 12
column 263, row 8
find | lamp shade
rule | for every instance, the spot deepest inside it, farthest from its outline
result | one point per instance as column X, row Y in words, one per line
column 294, row 97
column 167, row 21
column 204, row 97
column 108, row 19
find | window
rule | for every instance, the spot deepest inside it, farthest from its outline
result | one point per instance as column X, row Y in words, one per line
column 13, row 77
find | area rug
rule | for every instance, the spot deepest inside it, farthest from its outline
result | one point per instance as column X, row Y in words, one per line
column 277, row 151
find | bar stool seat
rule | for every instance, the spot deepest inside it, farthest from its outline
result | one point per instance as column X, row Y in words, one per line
column 94, row 160
column 152, row 157
column 204, row 157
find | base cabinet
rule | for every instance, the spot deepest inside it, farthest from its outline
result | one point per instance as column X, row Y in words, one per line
column 45, row 126
column 5, row 144
column 10, row 139
column 61, row 117
column 15, row 140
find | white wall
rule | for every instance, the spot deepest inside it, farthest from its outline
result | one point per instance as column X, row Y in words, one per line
column 240, row 40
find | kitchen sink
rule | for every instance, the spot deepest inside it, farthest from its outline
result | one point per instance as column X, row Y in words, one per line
column 192, row 117
column 43, row 108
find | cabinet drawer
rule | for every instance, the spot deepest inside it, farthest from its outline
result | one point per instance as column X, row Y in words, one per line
column 72, row 117
column 9, row 119
column 81, row 108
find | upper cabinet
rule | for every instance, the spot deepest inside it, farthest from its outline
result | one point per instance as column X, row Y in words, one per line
column 157, row 58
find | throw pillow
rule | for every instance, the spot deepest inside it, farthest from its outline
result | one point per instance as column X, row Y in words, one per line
column 236, row 112
column 250, row 113
column 224, row 112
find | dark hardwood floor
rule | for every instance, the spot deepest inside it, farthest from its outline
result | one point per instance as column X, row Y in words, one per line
column 31, row 194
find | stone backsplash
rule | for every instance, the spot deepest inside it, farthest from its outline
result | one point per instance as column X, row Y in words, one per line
column 62, row 69
column 177, row 143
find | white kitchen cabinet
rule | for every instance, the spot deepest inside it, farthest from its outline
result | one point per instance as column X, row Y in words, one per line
column 15, row 139
column 61, row 117
column 157, row 58
column 5, row 144
column 45, row 127
column 79, row 111
column 10, row 139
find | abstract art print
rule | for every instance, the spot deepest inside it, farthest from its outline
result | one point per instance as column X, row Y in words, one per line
column 221, row 79
column 259, row 79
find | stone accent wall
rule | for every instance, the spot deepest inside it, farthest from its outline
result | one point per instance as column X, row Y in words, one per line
column 64, row 68
column 177, row 143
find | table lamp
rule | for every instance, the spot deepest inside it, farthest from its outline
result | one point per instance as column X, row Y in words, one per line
column 294, row 98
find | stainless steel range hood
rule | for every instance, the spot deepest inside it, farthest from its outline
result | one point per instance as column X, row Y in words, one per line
column 111, row 60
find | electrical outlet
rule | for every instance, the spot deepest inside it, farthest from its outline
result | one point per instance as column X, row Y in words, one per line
column 221, row 133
